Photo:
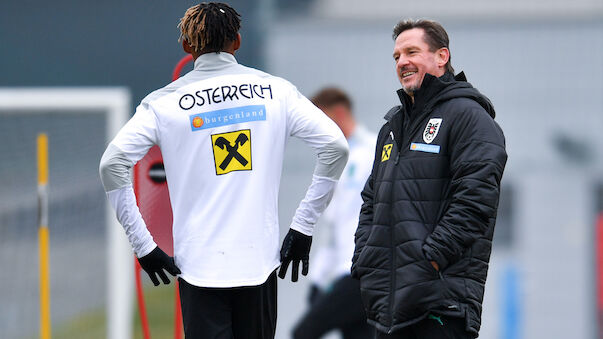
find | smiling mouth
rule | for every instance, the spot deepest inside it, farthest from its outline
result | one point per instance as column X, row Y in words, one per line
column 407, row 74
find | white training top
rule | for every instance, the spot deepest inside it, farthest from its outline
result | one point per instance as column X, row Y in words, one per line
column 335, row 258
column 222, row 130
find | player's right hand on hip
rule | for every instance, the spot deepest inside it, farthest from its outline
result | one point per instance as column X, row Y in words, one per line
column 157, row 261
column 296, row 248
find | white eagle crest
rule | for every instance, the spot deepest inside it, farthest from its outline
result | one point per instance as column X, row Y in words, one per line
column 431, row 130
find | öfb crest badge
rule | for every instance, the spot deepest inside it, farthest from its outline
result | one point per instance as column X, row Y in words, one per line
column 431, row 130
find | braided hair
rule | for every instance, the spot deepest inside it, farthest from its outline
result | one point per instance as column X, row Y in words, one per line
column 209, row 26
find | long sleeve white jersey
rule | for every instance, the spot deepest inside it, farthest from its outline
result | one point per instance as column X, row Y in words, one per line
column 334, row 259
column 222, row 130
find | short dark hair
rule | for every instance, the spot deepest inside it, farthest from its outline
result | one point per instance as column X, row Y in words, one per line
column 331, row 96
column 209, row 26
column 435, row 35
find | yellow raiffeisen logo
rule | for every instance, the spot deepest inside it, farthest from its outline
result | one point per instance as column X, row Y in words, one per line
column 232, row 151
column 387, row 151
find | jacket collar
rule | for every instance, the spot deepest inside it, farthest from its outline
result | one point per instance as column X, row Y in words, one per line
column 427, row 96
column 430, row 88
column 214, row 61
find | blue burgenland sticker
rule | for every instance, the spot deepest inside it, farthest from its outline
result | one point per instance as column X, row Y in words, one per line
column 425, row 148
column 229, row 116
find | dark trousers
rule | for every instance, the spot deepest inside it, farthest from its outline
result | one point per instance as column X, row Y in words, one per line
column 229, row 313
column 341, row 308
column 432, row 327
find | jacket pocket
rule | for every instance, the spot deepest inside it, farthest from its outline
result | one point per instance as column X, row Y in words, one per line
column 433, row 270
column 356, row 268
column 439, row 275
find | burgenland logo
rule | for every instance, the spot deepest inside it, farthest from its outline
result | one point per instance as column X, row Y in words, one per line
column 229, row 116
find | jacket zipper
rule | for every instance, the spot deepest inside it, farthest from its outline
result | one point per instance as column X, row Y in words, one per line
column 393, row 250
column 412, row 129
column 412, row 133
column 398, row 148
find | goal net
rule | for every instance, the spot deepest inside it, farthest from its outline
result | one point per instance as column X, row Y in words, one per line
column 90, row 261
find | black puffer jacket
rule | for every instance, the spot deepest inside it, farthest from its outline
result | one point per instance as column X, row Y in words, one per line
column 432, row 196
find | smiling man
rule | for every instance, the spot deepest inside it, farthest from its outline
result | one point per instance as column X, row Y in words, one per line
column 425, row 230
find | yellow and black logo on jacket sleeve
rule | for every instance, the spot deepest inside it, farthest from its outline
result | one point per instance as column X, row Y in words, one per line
column 232, row 151
column 387, row 151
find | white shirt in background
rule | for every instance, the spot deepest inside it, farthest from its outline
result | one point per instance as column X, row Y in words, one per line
column 334, row 259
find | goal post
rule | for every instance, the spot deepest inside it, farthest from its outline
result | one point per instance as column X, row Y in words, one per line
column 114, row 105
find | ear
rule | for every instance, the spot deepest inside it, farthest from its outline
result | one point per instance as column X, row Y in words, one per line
column 237, row 42
column 187, row 47
column 442, row 57
column 340, row 111
column 340, row 114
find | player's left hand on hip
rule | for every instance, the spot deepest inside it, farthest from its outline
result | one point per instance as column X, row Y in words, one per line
column 157, row 261
column 296, row 248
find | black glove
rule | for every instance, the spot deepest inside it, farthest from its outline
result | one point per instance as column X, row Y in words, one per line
column 156, row 262
column 296, row 247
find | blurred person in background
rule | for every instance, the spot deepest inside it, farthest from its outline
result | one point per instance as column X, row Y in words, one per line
column 424, row 237
column 334, row 295
column 222, row 130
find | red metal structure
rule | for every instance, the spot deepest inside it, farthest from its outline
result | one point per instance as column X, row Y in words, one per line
column 153, row 201
column 599, row 271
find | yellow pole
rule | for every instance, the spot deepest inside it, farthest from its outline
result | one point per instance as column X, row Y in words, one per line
column 43, row 236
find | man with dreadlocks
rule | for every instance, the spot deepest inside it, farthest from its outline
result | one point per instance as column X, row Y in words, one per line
column 222, row 130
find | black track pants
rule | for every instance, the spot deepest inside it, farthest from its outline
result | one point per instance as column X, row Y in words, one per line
column 341, row 308
column 229, row 313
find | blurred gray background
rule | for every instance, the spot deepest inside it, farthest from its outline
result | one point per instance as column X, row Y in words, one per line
column 540, row 62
